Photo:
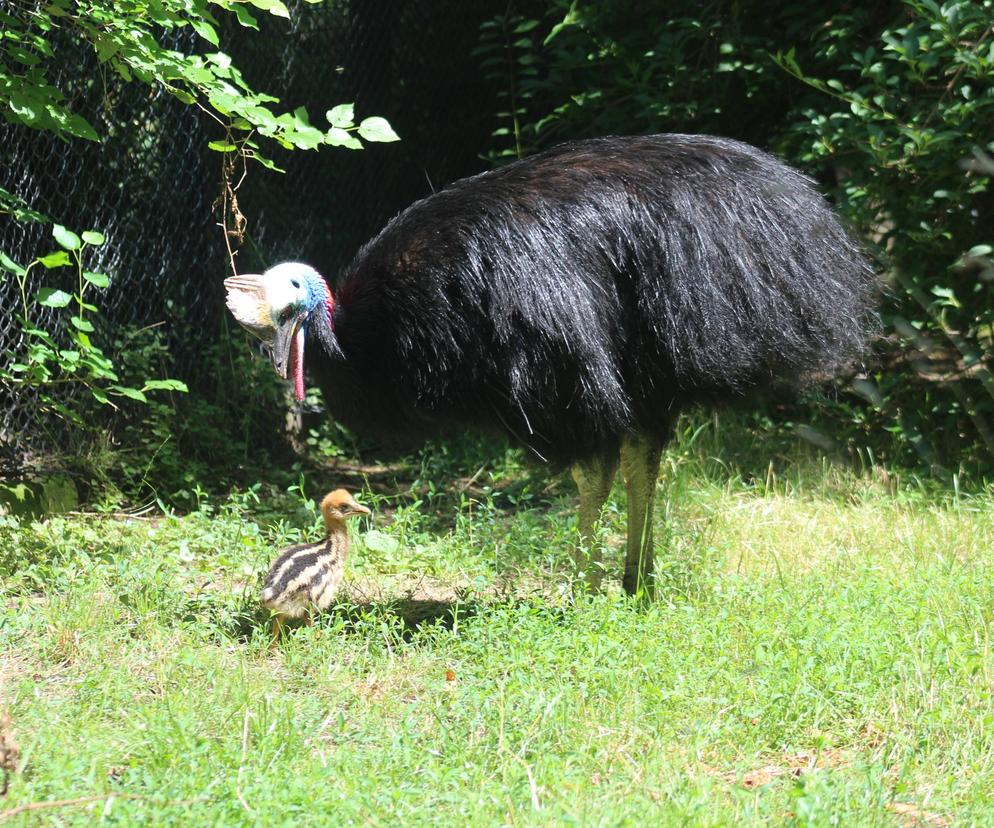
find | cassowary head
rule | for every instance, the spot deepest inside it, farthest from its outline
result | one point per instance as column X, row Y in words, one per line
column 278, row 307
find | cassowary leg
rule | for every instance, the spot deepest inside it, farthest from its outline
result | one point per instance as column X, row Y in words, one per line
column 593, row 479
column 640, row 468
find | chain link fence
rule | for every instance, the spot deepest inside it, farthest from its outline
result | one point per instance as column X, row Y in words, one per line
column 151, row 184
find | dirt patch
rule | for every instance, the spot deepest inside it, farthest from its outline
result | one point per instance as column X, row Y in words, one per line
column 911, row 815
column 795, row 765
column 791, row 765
column 404, row 588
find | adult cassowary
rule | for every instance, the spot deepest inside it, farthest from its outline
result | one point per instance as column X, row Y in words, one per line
column 577, row 300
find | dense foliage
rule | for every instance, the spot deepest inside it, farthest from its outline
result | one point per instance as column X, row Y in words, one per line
column 66, row 361
column 131, row 39
column 889, row 105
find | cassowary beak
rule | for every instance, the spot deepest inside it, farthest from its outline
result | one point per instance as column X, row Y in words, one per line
column 281, row 346
column 287, row 352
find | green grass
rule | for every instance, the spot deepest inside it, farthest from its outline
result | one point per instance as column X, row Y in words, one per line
column 820, row 654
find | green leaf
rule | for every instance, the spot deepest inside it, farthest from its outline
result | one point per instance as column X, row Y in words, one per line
column 93, row 237
column 377, row 129
column 380, row 542
column 79, row 126
column 100, row 280
column 245, row 17
column 341, row 116
column 100, row 396
column 130, row 393
column 221, row 146
column 66, row 238
column 68, row 413
column 37, row 333
column 81, row 324
column 165, row 385
column 8, row 263
column 183, row 95
column 57, row 259
column 268, row 163
column 338, row 137
column 220, row 59
column 274, row 7
column 947, row 295
column 17, row 207
column 299, row 131
column 205, row 30
column 53, row 298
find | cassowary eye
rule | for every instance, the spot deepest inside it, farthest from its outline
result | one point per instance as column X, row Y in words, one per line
column 285, row 314
column 295, row 283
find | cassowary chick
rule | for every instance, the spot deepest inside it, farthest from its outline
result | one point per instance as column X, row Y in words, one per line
column 307, row 576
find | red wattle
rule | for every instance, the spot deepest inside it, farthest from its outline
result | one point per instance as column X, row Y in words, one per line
column 297, row 363
column 329, row 305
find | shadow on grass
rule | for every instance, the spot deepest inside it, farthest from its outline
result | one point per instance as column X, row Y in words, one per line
column 407, row 616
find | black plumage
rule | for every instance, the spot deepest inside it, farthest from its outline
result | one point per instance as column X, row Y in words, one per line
column 577, row 300
column 593, row 291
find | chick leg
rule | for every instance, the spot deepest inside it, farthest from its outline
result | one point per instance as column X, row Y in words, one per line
column 640, row 468
column 277, row 631
column 593, row 479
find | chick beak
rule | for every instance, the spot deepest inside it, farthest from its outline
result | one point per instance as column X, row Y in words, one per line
column 358, row 509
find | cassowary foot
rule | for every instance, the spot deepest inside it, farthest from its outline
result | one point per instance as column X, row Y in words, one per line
column 640, row 469
column 593, row 480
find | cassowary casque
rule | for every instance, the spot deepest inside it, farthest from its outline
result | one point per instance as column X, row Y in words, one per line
column 577, row 300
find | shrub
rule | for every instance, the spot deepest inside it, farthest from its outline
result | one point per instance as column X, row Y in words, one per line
column 889, row 106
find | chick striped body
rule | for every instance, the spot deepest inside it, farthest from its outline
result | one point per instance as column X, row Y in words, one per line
column 306, row 575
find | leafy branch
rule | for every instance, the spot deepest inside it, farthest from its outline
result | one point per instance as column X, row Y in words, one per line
column 126, row 38
column 43, row 363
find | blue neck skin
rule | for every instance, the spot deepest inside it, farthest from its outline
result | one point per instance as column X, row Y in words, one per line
column 318, row 320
